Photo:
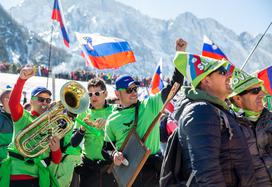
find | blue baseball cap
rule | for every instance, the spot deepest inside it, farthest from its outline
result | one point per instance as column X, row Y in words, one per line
column 124, row 81
column 36, row 91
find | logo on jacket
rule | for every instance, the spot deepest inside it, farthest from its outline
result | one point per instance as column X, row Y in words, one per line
column 128, row 124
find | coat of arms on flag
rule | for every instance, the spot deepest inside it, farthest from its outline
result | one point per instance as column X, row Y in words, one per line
column 105, row 52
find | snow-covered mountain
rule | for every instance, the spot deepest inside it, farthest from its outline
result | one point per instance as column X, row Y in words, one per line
column 150, row 38
column 19, row 45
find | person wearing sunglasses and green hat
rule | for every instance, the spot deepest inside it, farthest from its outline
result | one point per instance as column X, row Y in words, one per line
column 256, row 123
column 18, row 170
column 214, row 150
column 92, row 169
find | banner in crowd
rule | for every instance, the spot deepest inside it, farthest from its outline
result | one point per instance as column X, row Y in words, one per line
column 266, row 76
column 105, row 52
column 57, row 15
column 157, row 82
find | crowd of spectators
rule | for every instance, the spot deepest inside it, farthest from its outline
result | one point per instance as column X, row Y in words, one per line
column 79, row 75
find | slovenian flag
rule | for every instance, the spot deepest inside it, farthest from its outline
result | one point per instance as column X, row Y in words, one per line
column 105, row 52
column 266, row 76
column 157, row 82
column 210, row 49
column 56, row 15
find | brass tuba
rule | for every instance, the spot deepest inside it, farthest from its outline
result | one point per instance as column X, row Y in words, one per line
column 33, row 139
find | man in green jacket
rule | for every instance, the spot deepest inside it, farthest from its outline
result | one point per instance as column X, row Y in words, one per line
column 17, row 169
column 92, row 171
column 121, row 121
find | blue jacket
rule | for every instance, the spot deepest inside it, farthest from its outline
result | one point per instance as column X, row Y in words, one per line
column 218, row 154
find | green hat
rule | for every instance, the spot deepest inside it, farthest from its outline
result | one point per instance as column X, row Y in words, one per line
column 241, row 81
column 196, row 67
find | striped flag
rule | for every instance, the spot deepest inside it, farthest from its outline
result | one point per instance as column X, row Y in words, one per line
column 105, row 52
column 266, row 76
column 57, row 15
column 157, row 82
column 210, row 49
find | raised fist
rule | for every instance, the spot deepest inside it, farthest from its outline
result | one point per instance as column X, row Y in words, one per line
column 27, row 72
column 181, row 45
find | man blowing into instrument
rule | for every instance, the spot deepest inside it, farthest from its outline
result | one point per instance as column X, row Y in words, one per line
column 17, row 169
column 121, row 122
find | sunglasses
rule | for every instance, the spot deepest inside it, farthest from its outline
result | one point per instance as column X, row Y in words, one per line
column 42, row 99
column 221, row 70
column 253, row 91
column 96, row 93
column 130, row 90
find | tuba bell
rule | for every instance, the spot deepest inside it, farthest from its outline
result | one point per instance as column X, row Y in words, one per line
column 33, row 139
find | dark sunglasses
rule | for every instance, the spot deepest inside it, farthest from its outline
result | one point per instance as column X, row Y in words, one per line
column 41, row 99
column 130, row 90
column 96, row 93
column 253, row 91
column 221, row 70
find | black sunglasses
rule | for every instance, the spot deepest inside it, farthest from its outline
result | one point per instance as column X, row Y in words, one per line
column 42, row 99
column 96, row 93
column 253, row 91
column 130, row 90
column 221, row 70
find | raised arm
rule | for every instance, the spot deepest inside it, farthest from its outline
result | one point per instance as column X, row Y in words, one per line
column 177, row 76
column 16, row 109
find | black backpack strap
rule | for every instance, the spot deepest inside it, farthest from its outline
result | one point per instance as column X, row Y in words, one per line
column 178, row 160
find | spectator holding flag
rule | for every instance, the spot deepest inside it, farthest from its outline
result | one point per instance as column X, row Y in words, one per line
column 120, row 122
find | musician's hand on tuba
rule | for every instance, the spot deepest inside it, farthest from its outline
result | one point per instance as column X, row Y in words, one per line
column 54, row 143
column 27, row 72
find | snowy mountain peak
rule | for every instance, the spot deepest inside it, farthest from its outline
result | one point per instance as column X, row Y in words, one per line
column 150, row 38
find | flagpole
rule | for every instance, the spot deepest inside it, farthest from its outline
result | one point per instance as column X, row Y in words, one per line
column 254, row 48
column 49, row 56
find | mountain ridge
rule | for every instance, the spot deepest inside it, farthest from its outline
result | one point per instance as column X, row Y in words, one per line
column 150, row 38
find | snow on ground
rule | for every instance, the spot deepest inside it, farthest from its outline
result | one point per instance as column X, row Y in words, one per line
column 10, row 79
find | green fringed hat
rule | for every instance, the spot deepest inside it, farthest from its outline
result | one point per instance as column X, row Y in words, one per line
column 241, row 81
column 196, row 67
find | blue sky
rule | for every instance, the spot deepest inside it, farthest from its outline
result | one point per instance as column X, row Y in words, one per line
column 252, row 16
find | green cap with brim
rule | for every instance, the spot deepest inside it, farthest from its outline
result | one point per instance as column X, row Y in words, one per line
column 241, row 81
column 196, row 67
